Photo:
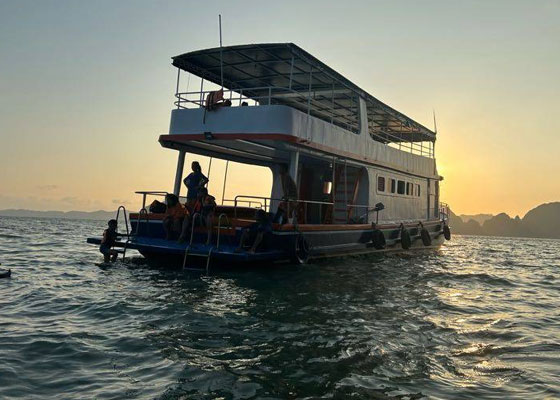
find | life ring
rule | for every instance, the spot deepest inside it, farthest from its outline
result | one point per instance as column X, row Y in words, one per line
column 378, row 239
column 405, row 238
column 426, row 238
column 5, row 273
column 446, row 232
column 300, row 250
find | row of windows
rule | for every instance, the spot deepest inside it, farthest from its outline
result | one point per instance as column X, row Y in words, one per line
column 391, row 185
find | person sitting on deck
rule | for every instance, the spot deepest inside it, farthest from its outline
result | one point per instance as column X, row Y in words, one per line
column 289, row 192
column 256, row 231
column 193, row 182
column 175, row 216
column 215, row 100
column 204, row 205
column 108, row 241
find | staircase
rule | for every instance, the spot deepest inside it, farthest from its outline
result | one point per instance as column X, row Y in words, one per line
column 341, row 199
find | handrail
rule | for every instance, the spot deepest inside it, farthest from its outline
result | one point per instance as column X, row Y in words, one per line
column 193, row 222
column 145, row 212
column 258, row 203
column 150, row 192
column 220, row 226
column 200, row 99
column 125, row 224
column 125, row 219
column 348, row 120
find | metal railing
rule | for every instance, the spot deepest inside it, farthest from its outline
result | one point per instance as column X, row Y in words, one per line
column 313, row 103
column 268, row 200
column 250, row 203
column 443, row 211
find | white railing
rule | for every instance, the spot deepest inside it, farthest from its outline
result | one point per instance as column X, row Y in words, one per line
column 344, row 117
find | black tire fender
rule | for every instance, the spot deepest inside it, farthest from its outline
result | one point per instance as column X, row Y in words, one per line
column 426, row 238
column 405, row 238
column 446, row 232
column 378, row 239
column 300, row 250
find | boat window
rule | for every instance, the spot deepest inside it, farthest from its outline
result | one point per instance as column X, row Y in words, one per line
column 408, row 189
column 418, row 190
column 380, row 183
column 400, row 187
column 393, row 185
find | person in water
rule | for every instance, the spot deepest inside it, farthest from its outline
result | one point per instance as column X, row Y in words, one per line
column 175, row 217
column 193, row 182
column 255, row 232
column 205, row 205
column 108, row 241
column 289, row 192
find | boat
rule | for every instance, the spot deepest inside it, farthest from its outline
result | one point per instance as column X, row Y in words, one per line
column 366, row 174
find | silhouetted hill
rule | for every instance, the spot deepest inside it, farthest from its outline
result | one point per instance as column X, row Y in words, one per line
column 480, row 218
column 542, row 221
column 93, row 215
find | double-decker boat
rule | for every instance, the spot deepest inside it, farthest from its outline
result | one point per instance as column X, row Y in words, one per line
column 366, row 174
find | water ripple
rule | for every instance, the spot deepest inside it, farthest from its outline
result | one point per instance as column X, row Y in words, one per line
column 476, row 319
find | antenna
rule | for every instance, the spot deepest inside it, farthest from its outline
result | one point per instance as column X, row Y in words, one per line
column 221, row 53
column 435, row 125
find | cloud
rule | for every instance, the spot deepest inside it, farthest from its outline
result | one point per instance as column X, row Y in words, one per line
column 47, row 187
column 117, row 201
column 70, row 200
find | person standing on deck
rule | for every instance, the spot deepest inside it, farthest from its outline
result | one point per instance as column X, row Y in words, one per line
column 193, row 182
column 289, row 192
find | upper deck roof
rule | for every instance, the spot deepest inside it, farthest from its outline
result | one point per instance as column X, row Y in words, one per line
column 254, row 68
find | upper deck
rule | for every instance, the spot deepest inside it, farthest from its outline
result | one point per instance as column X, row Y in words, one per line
column 298, row 97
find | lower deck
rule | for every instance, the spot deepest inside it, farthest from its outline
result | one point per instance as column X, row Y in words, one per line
column 286, row 243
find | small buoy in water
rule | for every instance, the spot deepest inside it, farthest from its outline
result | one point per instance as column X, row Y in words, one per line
column 446, row 232
column 405, row 238
column 5, row 273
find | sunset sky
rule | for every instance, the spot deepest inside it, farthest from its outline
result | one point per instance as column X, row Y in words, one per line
column 86, row 88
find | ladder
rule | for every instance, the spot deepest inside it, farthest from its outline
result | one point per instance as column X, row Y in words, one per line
column 123, row 251
column 207, row 256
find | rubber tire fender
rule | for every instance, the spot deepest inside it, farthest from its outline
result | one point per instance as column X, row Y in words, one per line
column 300, row 250
column 405, row 239
column 378, row 239
column 446, row 232
column 426, row 238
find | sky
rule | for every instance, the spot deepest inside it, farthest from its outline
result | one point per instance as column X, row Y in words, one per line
column 86, row 88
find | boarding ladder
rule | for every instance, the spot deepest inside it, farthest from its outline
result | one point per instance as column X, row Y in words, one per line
column 207, row 256
column 123, row 251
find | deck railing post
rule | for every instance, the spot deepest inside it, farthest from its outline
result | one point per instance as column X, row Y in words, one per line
column 346, row 188
column 201, row 92
column 333, row 188
column 177, row 96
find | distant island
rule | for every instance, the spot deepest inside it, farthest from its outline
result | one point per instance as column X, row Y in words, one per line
column 90, row 215
column 541, row 222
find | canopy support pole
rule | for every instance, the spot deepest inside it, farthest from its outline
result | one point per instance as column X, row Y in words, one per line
column 294, row 163
column 177, row 88
column 225, row 180
column 179, row 173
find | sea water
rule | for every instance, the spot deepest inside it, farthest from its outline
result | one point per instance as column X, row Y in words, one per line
column 477, row 319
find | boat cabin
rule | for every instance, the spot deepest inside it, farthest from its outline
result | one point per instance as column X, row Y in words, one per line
column 272, row 104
